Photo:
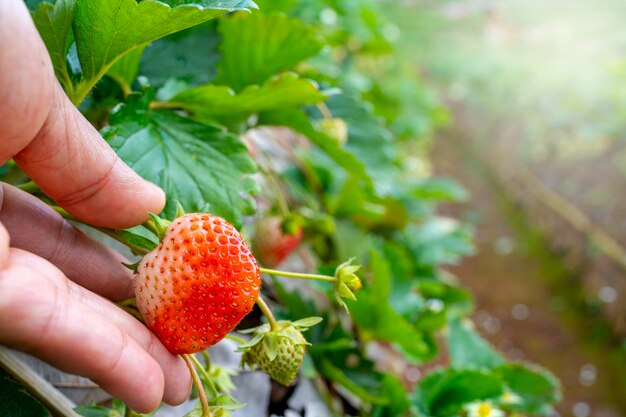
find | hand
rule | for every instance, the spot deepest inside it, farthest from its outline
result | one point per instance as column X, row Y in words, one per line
column 56, row 283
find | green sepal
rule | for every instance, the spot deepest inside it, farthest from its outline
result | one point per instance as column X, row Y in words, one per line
column 302, row 324
column 133, row 267
column 264, row 328
column 157, row 225
column 270, row 341
column 180, row 211
column 255, row 340
column 347, row 282
column 344, row 292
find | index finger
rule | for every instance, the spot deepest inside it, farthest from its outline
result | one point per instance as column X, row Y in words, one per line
column 51, row 140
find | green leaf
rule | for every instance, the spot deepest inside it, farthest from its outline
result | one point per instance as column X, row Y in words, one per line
column 376, row 318
column 367, row 132
column 538, row 388
column 190, row 55
column 468, row 350
column 222, row 377
column 209, row 102
column 226, row 402
column 440, row 303
column 445, row 392
column 439, row 189
column 97, row 411
column 118, row 409
column 139, row 237
column 438, row 240
column 106, row 30
column 125, row 69
column 196, row 164
column 256, row 46
column 364, row 385
column 398, row 401
column 16, row 402
column 54, row 22
column 298, row 120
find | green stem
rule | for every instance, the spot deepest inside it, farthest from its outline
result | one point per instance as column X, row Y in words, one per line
column 30, row 187
column 129, row 302
column 78, row 94
column 323, row 108
column 235, row 339
column 126, row 90
column 109, row 232
column 65, row 214
column 157, row 225
column 161, row 105
column 189, row 360
column 115, row 235
column 205, row 374
column 278, row 194
column 135, row 313
column 274, row 185
column 207, row 359
column 297, row 275
column 131, row 413
column 267, row 313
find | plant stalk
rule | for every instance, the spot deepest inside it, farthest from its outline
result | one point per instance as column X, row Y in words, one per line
column 189, row 360
column 235, row 339
column 267, row 313
column 205, row 374
column 297, row 275
column 30, row 187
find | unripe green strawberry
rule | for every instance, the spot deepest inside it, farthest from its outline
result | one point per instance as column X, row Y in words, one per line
column 198, row 284
column 284, row 367
column 335, row 128
column 279, row 352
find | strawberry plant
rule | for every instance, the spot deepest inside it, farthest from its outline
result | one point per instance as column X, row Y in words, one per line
column 255, row 123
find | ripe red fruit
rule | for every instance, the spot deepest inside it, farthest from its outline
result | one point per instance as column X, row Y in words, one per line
column 271, row 244
column 198, row 284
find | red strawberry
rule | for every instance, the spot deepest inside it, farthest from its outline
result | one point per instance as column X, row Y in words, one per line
column 198, row 284
column 271, row 243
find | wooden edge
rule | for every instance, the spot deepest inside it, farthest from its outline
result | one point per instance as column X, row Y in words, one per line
column 50, row 397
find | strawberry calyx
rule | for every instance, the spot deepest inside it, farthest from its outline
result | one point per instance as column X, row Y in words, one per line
column 157, row 225
column 347, row 282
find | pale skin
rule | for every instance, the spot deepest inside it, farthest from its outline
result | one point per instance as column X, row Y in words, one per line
column 55, row 283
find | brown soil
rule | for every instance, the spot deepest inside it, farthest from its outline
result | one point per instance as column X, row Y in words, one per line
column 527, row 304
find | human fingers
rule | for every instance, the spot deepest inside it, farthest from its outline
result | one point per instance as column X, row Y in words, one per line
column 44, row 314
column 39, row 229
column 53, row 143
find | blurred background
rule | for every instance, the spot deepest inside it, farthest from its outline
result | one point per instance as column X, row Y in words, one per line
column 536, row 95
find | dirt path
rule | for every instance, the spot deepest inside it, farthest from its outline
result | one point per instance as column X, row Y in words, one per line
column 524, row 297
